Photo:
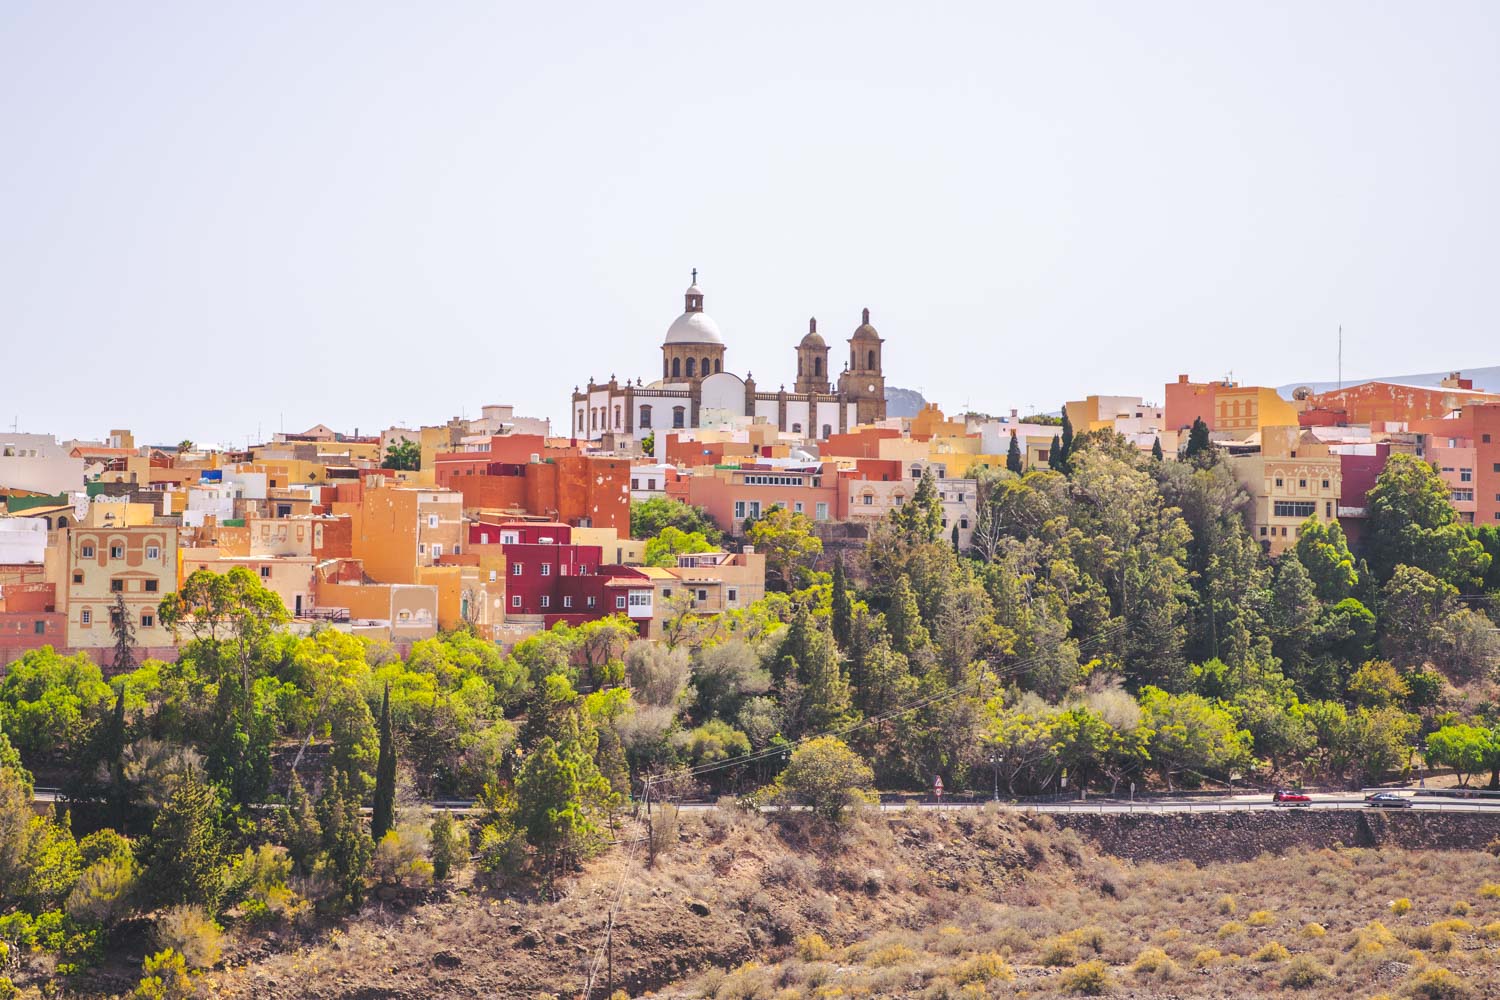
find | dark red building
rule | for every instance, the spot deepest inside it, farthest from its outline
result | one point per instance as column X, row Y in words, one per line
column 551, row 578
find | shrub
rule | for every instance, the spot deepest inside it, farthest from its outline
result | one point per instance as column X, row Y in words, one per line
column 1454, row 925
column 399, row 858
column 1060, row 950
column 812, row 948
column 1371, row 939
column 1303, row 973
column 893, row 954
column 1401, row 907
column 1272, row 951
column 1204, row 957
column 985, row 968
column 8, row 989
column 1089, row 979
column 188, row 931
column 662, row 834
column 1490, row 890
column 1260, row 918
column 1226, row 905
column 1154, row 963
column 1314, row 930
column 1437, row 984
column 450, row 845
column 164, row 976
column 274, row 904
column 1460, row 908
column 1491, row 931
column 101, row 896
column 1231, row 929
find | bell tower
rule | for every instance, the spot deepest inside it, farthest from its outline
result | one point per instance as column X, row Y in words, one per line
column 863, row 382
column 812, row 362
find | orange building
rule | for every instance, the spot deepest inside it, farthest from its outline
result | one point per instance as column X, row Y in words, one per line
column 1376, row 403
column 579, row 490
column 398, row 530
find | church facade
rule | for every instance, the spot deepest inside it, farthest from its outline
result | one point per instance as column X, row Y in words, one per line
column 695, row 390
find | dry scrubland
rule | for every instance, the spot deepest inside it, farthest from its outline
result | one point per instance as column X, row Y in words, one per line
column 928, row 905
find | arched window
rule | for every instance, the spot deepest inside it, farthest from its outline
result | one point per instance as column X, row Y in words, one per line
column 692, row 367
column 916, row 472
column 871, row 365
column 62, row 522
column 580, row 420
column 645, row 420
column 718, row 365
column 679, row 416
column 665, row 368
column 796, row 428
column 707, row 367
column 677, row 368
column 817, row 366
column 827, row 431
column 618, row 414
column 799, row 364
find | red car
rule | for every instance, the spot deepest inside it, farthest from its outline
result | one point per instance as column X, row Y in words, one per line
column 1283, row 797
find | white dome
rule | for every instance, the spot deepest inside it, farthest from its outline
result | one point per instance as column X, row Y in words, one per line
column 693, row 328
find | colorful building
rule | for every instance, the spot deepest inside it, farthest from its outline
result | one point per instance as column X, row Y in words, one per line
column 1291, row 475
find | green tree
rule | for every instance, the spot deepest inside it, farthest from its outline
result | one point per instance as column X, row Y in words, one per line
column 450, row 845
column 1062, row 448
column 670, row 541
column 1466, row 749
column 383, row 816
column 842, row 607
column 1200, row 447
column 649, row 517
column 347, row 848
column 1191, row 735
column 920, row 518
column 300, row 831
column 1412, row 522
column 1324, row 553
column 904, row 620
column 788, row 543
column 1293, row 611
column 561, row 801
column 186, row 858
column 827, row 777
column 123, row 629
column 403, row 455
column 1013, row 455
column 1156, row 452
column 1412, row 605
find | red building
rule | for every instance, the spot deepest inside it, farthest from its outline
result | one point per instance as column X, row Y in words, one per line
column 29, row 619
column 1474, row 482
column 575, row 489
column 551, row 579
column 1359, row 467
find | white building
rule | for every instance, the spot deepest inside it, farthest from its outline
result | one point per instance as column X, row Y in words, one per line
column 695, row 391
column 38, row 464
column 22, row 540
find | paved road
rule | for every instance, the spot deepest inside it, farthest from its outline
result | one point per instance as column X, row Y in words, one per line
column 1216, row 803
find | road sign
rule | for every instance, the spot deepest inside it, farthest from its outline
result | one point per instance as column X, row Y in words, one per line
column 937, row 788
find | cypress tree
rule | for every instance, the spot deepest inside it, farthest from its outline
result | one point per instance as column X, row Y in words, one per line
column 1013, row 456
column 185, row 853
column 346, row 845
column 300, row 830
column 1156, row 449
column 1055, row 456
column 955, row 540
column 1067, row 441
column 904, row 620
column 843, row 608
column 383, row 816
column 1199, row 447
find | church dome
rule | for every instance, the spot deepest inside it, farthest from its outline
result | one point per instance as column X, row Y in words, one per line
column 865, row 330
column 813, row 338
column 694, row 328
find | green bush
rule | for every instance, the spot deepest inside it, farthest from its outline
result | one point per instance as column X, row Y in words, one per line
column 1089, row 979
column 1437, row 984
column 1303, row 973
column 985, row 968
column 189, row 932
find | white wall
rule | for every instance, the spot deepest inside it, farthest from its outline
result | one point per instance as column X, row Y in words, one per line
column 22, row 540
column 36, row 462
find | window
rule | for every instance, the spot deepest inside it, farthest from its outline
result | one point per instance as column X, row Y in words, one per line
column 645, row 420
column 666, row 592
column 422, row 548
column 153, row 552
column 1463, row 496
column 546, row 600
column 963, row 523
column 546, row 569
column 148, row 620
column 638, row 599
column 117, row 552
column 1325, row 484
column 635, row 484
column 869, row 499
column 516, row 569
column 1486, row 439
column 567, row 600
column 432, row 520
column 40, row 628
column 85, row 617
column 1328, row 509
column 820, row 512
column 265, row 572
column 796, row 428
column 437, row 551
column 1302, row 484
column 515, row 600
column 591, row 601
column 797, row 507
column 117, row 586
column 1263, row 531
column 620, row 602
column 827, row 431
column 732, row 594
column 1278, row 482
column 702, row 595
column 679, row 414
column 739, row 510
column 77, row 577
column 1466, row 475
column 1294, row 508
column 87, row 550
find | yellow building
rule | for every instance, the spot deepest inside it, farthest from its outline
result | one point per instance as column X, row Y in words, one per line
column 1243, row 410
column 94, row 565
column 706, row 583
column 1292, row 477
column 399, row 530
column 617, row 551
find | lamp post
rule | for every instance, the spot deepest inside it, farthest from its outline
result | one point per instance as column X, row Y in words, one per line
column 995, row 760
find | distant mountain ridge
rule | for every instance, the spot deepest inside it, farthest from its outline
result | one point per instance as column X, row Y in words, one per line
column 1487, row 379
column 905, row 402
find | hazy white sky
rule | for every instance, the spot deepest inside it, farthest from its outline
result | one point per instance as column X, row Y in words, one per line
column 215, row 218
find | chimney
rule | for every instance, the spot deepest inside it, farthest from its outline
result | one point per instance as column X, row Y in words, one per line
column 1182, row 380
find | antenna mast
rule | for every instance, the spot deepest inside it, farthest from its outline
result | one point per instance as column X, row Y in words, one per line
column 1341, row 357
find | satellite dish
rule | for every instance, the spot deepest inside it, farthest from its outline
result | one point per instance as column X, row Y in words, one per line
column 1302, row 392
